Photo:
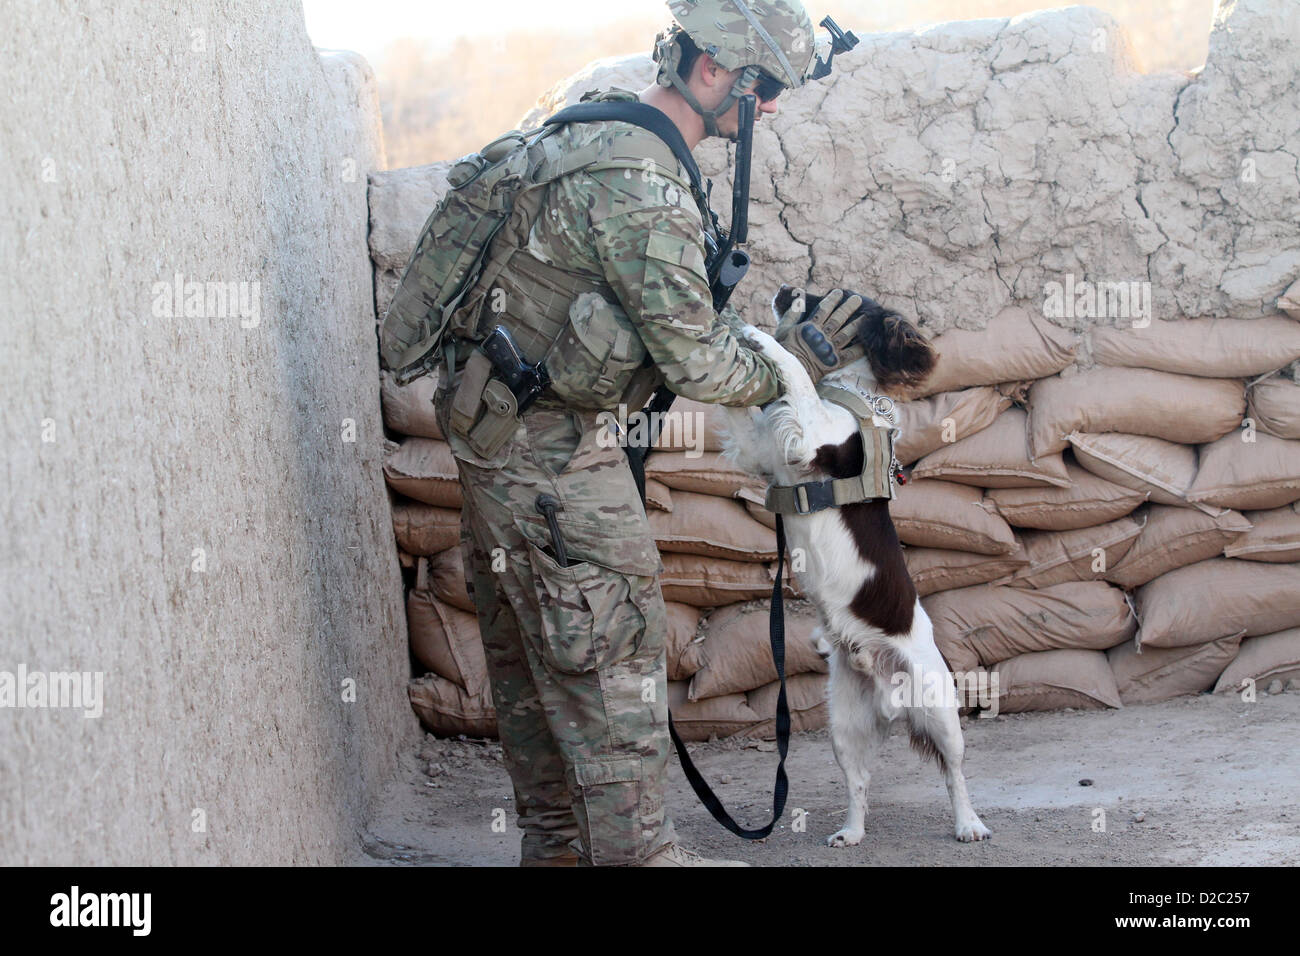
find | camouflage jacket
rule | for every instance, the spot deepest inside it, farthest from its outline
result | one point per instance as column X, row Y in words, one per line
column 643, row 237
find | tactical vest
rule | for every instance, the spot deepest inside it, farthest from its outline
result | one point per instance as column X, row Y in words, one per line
column 573, row 323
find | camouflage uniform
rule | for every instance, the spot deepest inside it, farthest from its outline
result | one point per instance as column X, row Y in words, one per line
column 576, row 655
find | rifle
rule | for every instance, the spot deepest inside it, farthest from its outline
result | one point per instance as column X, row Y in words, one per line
column 725, row 264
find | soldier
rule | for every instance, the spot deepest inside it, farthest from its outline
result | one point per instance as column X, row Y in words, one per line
column 557, row 548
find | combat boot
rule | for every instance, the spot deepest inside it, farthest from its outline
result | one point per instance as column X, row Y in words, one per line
column 674, row 854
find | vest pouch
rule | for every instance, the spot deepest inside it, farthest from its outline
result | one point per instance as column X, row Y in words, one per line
column 596, row 356
column 483, row 412
column 498, row 422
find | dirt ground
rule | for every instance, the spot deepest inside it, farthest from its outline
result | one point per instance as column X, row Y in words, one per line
column 1193, row 781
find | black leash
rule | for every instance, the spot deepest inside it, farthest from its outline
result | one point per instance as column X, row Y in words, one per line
column 782, row 786
column 636, row 461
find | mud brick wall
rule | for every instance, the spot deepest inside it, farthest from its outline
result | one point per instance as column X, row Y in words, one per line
column 193, row 502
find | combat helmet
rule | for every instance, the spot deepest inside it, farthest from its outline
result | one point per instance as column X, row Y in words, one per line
column 767, row 39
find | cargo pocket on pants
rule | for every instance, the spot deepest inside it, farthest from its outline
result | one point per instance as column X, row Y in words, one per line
column 591, row 616
column 610, row 804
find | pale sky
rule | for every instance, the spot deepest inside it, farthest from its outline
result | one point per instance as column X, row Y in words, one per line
column 368, row 26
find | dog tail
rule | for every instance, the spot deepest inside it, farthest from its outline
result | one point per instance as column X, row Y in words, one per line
column 899, row 354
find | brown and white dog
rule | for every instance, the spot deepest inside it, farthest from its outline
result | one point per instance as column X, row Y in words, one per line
column 878, row 636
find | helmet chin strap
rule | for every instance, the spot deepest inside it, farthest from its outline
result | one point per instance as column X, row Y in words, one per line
column 738, row 89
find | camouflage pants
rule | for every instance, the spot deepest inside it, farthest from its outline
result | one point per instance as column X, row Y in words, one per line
column 576, row 654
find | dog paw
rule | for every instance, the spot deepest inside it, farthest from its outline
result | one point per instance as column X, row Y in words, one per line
column 973, row 831
column 845, row 837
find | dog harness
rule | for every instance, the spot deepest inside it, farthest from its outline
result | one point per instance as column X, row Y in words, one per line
column 880, row 469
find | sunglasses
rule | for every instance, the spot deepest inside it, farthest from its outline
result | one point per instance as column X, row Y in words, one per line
column 767, row 88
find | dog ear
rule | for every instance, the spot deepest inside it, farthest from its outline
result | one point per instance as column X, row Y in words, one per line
column 899, row 354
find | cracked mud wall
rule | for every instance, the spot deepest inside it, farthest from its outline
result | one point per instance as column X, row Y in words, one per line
column 194, row 502
column 957, row 169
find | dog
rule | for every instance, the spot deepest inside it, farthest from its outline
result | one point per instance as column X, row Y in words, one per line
column 872, row 626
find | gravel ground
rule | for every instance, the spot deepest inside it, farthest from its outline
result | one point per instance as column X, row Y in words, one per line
column 1192, row 781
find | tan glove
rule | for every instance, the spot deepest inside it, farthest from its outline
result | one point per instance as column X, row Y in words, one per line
column 822, row 342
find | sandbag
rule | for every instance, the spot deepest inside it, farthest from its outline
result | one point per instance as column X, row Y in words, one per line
column 1289, row 301
column 1263, row 659
column 929, row 513
column 692, row 426
column 928, row 424
column 996, row 457
column 1159, row 673
column 805, row 695
column 1274, row 406
column 1087, row 502
column 683, row 621
column 446, row 640
column 1135, row 401
column 422, row 529
column 1274, row 537
column 446, row 577
column 1212, row 348
column 712, row 582
column 448, row 709
column 706, row 474
column 1259, row 474
column 716, row 717
column 987, row 624
column 1084, row 554
column 423, row 469
column 1162, row 470
column 1052, row 680
column 1206, row 601
column 753, row 500
column 939, row 569
column 1174, row 538
column 713, row 527
column 737, row 651
column 1015, row 346
column 658, row 495
column 408, row 409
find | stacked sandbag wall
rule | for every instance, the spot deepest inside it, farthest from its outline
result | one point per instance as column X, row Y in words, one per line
column 1121, row 533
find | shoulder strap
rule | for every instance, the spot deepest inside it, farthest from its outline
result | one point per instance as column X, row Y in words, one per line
column 638, row 114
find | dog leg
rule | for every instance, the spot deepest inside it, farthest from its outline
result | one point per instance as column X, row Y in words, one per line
column 943, row 728
column 856, row 735
column 799, row 387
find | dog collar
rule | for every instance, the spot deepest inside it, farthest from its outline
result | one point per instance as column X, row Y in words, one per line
column 879, row 466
